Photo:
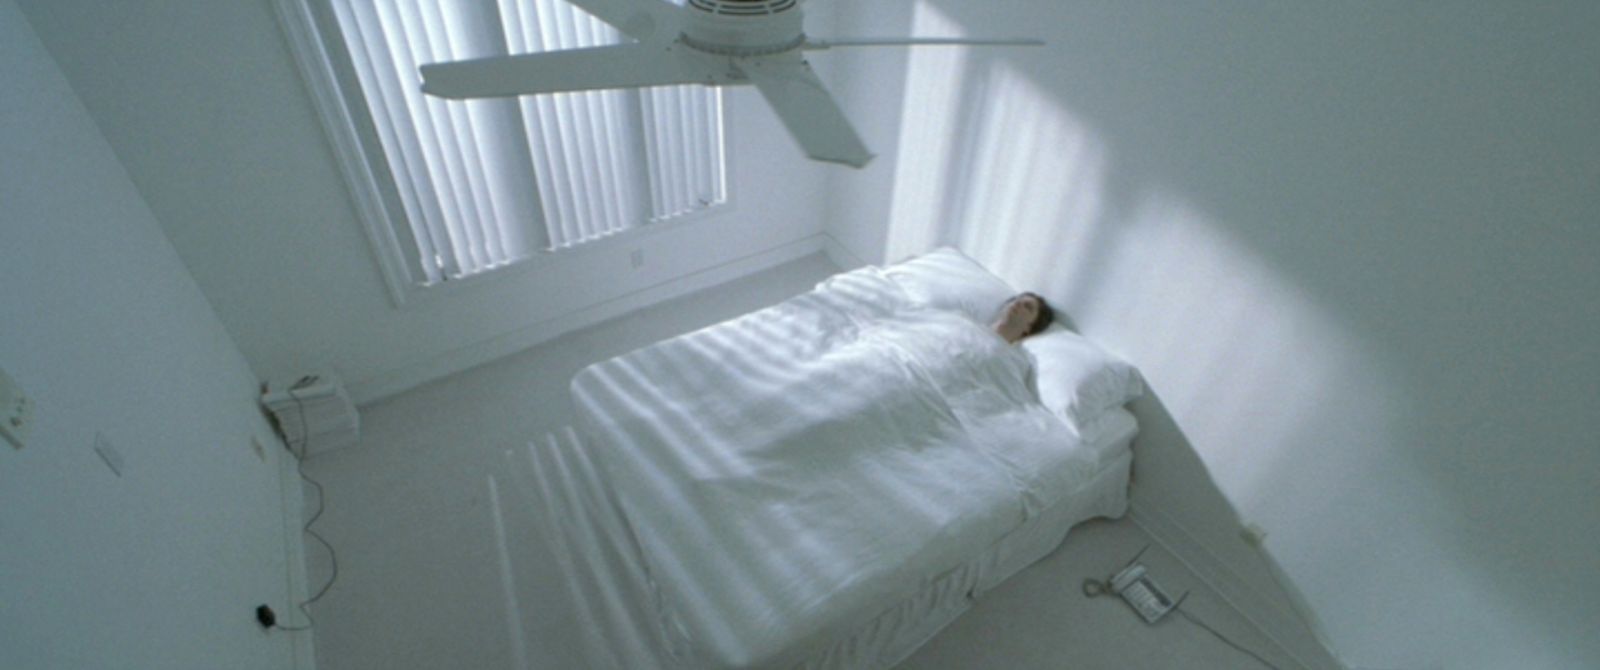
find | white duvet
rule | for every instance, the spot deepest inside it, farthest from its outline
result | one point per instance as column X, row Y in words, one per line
column 791, row 473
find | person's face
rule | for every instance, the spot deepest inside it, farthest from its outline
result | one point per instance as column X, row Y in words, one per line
column 1021, row 312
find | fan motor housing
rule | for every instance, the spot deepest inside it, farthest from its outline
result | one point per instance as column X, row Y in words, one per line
column 744, row 27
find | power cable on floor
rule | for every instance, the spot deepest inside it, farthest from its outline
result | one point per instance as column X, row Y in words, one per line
column 300, row 466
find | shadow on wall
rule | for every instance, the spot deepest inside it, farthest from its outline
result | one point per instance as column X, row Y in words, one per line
column 1319, row 372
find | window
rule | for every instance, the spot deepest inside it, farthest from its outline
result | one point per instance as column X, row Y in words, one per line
column 459, row 188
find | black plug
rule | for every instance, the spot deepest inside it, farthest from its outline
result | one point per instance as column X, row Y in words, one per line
column 266, row 617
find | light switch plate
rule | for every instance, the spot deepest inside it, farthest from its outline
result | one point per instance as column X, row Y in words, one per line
column 16, row 412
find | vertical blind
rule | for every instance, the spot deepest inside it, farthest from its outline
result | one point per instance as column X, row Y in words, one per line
column 484, row 183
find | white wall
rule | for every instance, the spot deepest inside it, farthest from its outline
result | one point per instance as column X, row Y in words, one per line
column 101, row 325
column 205, row 106
column 1351, row 245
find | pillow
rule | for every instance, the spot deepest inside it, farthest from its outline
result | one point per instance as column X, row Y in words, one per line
column 947, row 279
column 1078, row 380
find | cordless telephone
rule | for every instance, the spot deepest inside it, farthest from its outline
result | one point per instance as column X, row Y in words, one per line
column 1141, row 592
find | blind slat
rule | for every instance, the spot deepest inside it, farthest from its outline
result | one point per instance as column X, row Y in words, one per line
column 370, row 59
column 448, row 41
column 702, row 146
column 539, row 116
column 591, row 176
column 612, row 159
column 669, row 129
column 617, row 145
column 579, row 131
column 554, row 37
column 652, row 148
column 439, row 185
column 719, row 169
column 595, row 132
column 457, row 140
column 433, row 135
column 476, row 34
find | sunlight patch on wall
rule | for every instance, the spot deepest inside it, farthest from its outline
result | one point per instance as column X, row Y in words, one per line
column 1234, row 347
column 929, row 136
column 990, row 163
column 1032, row 184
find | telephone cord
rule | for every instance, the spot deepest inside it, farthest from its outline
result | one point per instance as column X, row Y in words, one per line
column 300, row 463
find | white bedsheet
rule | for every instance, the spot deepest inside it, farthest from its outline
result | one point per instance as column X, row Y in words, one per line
column 791, row 473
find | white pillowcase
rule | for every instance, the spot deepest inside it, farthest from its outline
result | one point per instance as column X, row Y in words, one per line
column 947, row 279
column 1078, row 380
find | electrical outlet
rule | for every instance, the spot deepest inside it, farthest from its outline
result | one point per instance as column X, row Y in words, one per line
column 16, row 412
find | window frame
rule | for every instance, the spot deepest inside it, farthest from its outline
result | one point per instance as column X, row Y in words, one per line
column 359, row 154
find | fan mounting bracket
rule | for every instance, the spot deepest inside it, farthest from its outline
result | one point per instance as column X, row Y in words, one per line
column 741, row 50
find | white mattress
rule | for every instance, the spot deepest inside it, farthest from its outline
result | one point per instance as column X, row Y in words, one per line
column 608, row 579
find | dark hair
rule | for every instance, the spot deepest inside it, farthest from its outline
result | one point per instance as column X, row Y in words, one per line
column 1045, row 317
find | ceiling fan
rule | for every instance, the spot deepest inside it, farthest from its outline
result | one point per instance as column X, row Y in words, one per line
column 711, row 42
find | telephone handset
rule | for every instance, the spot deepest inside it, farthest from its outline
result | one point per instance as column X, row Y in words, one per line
column 1141, row 592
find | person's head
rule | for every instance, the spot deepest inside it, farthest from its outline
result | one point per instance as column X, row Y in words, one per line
column 1022, row 315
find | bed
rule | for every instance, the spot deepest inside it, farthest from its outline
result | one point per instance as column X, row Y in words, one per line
column 827, row 482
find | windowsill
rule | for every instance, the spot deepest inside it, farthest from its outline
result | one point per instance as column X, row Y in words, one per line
column 416, row 294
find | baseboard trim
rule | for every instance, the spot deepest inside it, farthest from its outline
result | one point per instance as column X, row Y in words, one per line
column 1265, row 615
column 387, row 384
column 840, row 254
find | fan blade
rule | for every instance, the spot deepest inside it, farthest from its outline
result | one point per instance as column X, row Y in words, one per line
column 617, row 66
column 635, row 18
column 815, row 45
column 806, row 108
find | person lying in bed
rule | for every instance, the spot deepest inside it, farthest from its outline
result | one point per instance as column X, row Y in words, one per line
column 1022, row 315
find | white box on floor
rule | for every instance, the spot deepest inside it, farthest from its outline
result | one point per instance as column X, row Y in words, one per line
column 313, row 412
